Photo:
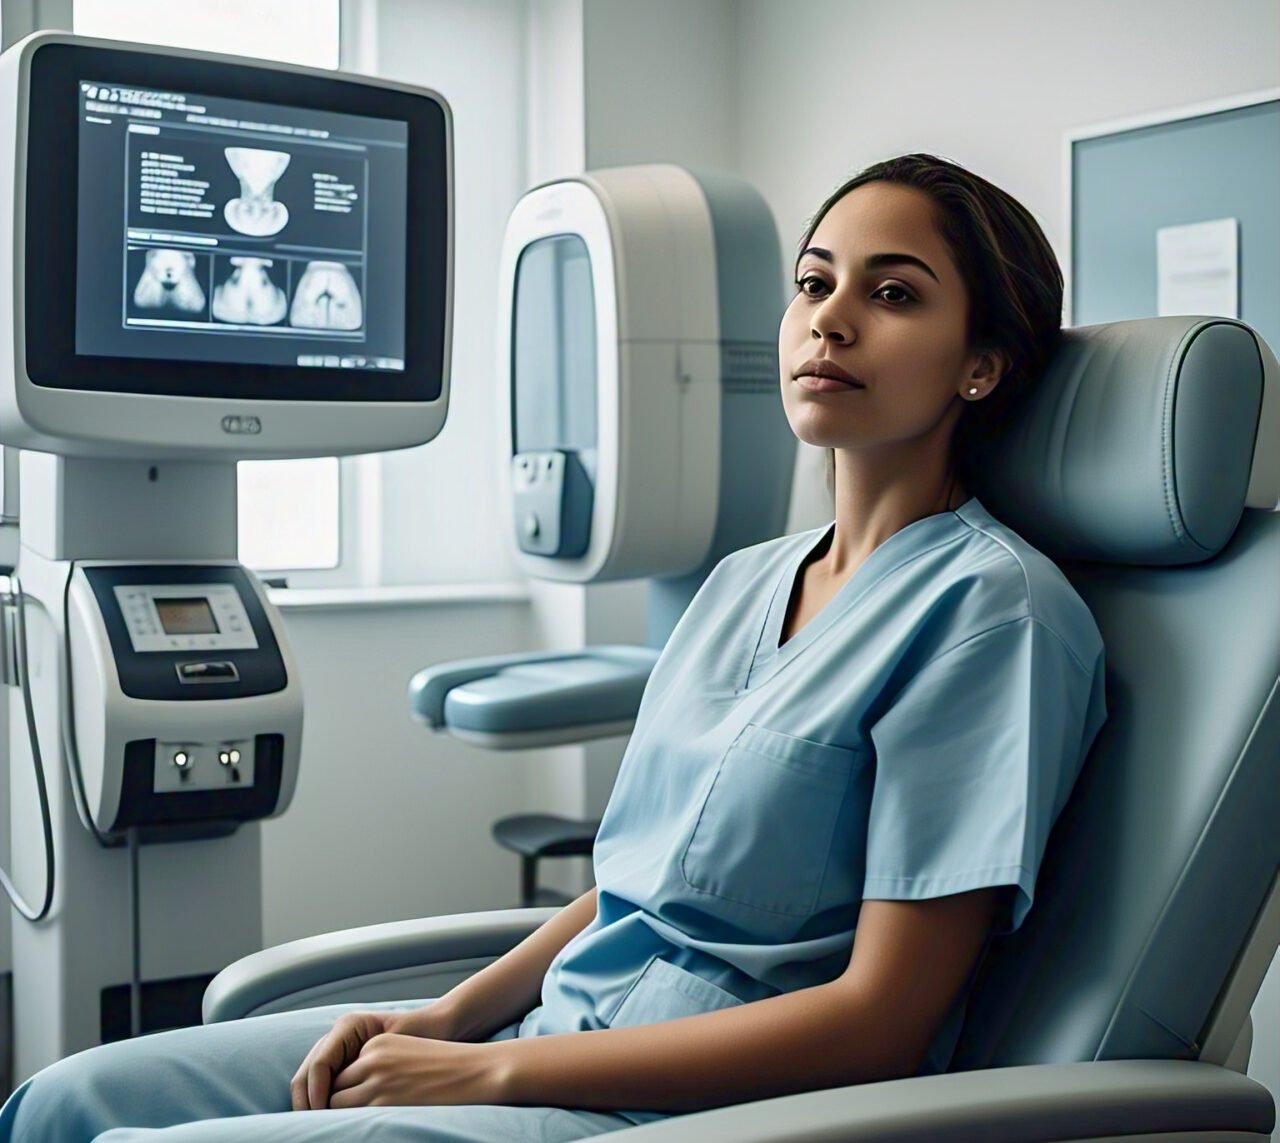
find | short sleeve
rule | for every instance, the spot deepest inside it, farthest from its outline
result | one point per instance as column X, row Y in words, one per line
column 974, row 761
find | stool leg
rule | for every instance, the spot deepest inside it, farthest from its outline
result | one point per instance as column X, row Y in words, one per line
column 528, row 881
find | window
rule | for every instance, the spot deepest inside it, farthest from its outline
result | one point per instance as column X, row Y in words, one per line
column 293, row 31
column 290, row 511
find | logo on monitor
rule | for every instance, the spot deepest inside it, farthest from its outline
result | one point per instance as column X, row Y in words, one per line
column 249, row 426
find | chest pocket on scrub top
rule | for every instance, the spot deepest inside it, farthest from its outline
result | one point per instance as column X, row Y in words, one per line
column 763, row 836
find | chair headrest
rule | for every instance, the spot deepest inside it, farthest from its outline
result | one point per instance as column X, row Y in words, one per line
column 1143, row 443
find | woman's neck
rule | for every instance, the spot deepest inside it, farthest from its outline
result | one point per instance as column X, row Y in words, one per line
column 875, row 501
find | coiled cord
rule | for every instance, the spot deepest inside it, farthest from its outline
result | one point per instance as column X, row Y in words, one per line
column 21, row 660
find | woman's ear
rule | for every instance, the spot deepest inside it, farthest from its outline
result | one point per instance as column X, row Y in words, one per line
column 989, row 366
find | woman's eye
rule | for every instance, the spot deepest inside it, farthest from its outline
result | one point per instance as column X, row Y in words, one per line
column 900, row 295
column 811, row 286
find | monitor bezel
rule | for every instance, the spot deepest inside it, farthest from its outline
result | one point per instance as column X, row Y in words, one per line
column 51, row 219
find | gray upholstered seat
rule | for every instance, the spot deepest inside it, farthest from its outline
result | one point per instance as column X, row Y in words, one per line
column 1148, row 465
column 1138, row 463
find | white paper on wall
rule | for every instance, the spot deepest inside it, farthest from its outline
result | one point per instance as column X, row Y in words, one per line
column 1197, row 269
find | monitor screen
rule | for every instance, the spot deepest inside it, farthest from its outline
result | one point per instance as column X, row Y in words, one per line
column 224, row 230
column 186, row 616
column 199, row 227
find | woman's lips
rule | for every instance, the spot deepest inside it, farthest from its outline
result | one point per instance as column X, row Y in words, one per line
column 824, row 384
column 823, row 376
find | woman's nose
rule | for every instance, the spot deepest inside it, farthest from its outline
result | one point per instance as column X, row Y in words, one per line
column 830, row 325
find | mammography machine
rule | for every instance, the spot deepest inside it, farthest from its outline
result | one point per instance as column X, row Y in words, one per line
column 206, row 259
column 642, row 438
column 638, row 312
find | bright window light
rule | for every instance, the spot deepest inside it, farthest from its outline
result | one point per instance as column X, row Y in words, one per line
column 288, row 514
column 295, row 31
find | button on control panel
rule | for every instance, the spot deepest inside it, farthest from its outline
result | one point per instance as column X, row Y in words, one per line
column 186, row 617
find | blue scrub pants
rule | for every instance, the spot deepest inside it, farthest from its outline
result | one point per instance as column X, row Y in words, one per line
column 230, row 1081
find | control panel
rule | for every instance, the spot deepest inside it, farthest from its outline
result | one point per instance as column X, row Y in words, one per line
column 552, row 496
column 186, row 632
column 185, row 617
column 188, row 712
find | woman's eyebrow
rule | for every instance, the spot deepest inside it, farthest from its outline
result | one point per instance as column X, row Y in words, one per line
column 889, row 259
column 817, row 252
column 874, row 261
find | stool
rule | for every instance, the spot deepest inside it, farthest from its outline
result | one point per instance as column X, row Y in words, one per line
column 535, row 836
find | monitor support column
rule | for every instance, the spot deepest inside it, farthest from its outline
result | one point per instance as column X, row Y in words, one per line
column 201, row 900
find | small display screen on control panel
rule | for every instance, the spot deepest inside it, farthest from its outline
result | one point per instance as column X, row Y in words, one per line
column 186, row 616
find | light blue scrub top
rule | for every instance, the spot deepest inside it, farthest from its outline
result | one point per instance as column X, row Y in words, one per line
column 916, row 738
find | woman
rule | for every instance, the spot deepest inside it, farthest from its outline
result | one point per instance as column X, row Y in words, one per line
column 839, row 786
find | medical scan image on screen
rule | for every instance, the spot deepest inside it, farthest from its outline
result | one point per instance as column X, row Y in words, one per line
column 239, row 232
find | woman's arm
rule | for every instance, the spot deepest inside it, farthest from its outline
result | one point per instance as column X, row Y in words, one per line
column 876, row 1021
column 504, row 991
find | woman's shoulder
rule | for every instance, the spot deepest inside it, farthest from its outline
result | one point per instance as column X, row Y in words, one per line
column 1019, row 580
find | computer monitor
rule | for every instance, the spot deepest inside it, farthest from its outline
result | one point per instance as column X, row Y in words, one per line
column 218, row 257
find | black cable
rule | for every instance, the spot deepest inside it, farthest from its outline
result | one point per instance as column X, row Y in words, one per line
column 135, row 919
column 46, row 817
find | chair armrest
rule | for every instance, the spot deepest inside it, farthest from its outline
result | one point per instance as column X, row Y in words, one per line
column 533, row 691
column 429, row 686
column 1110, row 1100
column 255, row 981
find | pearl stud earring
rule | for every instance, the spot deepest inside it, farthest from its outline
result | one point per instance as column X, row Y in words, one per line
column 973, row 392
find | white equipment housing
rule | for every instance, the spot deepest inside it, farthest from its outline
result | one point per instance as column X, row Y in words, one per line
column 643, row 434
column 656, row 371
column 191, row 275
column 208, row 747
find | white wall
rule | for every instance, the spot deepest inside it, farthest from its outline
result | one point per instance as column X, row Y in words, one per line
column 659, row 82
column 993, row 84
column 390, row 820
column 474, row 53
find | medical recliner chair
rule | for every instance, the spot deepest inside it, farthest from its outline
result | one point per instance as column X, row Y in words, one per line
column 1148, row 465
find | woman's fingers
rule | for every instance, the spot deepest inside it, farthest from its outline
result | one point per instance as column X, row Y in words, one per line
column 298, row 1085
column 319, row 1079
column 351, row 1076
column 309, row 1087
column 356, row 1085
column 350, row 1097
column 398, row 1070
column 312, row 1083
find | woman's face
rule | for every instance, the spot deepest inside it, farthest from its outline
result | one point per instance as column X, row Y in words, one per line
column 872, row 348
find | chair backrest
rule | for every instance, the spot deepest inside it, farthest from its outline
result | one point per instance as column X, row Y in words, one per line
column 1147, row 466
